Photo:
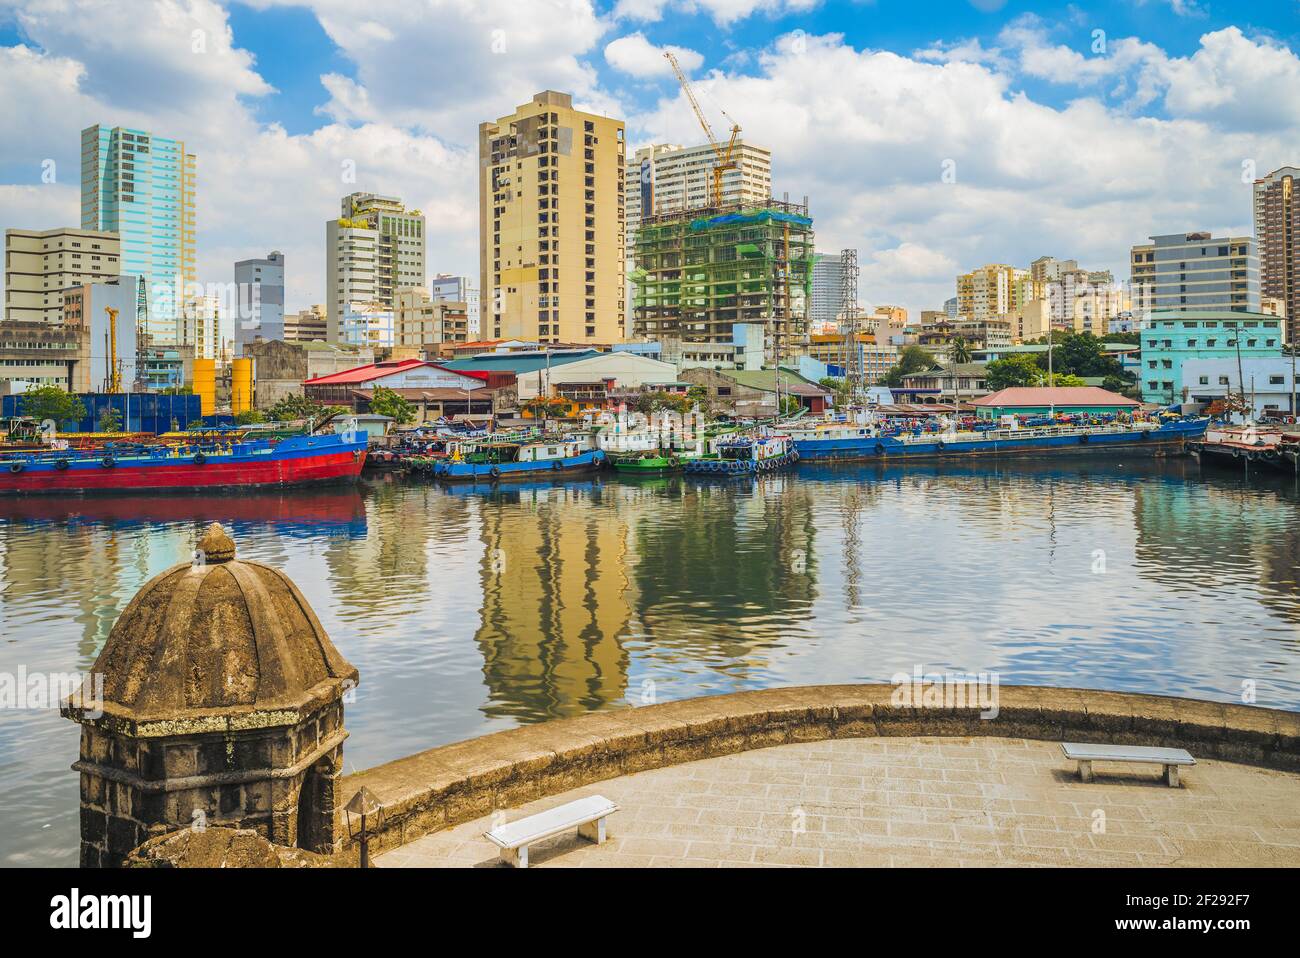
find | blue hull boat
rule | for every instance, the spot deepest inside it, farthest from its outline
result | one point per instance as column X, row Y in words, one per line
column 1128, row 438
column 450, row 471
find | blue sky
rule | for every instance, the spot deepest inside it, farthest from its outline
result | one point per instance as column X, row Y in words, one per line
column 1061, row 146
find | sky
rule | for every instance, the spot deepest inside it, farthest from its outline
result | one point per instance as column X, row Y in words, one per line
column 932, row 136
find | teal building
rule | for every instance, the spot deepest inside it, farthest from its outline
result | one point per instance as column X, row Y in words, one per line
column 1171, row 337
column 141, row 186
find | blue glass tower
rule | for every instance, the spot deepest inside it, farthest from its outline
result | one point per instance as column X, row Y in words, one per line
column 141, row 186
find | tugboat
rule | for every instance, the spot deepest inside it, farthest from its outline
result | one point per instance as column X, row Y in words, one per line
column 499, row 460
column 744, row 456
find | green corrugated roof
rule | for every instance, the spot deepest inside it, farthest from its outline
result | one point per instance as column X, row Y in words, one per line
column 765, row 379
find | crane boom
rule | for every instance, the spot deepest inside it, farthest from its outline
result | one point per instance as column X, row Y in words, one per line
column 723, row 153
column 114, row 373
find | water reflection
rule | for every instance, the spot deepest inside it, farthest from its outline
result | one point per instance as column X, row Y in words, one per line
column 473, row 609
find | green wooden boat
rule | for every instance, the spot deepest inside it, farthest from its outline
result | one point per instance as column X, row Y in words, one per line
column 647, row 464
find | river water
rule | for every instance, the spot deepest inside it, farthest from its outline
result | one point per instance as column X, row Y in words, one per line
column 472, row 610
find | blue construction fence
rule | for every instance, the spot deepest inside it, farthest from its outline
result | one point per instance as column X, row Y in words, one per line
column 137, row 412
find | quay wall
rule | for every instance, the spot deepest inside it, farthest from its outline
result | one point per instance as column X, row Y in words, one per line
column 455, row 783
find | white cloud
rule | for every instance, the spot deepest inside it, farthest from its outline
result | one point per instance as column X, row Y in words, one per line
column 864, row 133
column 637, row 56
column 723, row 12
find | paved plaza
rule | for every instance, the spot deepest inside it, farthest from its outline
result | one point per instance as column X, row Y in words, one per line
column 910, row 802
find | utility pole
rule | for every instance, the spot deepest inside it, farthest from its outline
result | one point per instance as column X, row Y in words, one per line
column 849, row 312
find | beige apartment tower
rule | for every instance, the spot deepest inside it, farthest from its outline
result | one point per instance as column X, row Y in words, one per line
column 41, row 264
column 551, row 224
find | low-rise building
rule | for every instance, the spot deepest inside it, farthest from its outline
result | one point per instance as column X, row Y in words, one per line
column 1172, row 338
column 1268, row 383
column 753, row 393
column 431, row 326
column 950, row 383
column 354, row 387
column 306, row 325
column 1043, row 400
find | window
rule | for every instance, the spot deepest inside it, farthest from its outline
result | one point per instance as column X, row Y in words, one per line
column 1223, row 380
column 1204, row 380
column 1276, row 380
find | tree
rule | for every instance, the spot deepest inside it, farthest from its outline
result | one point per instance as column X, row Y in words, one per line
column 295, row 407
column 249, row 417
column 1081, row 354
column 386, row 402
column 1018, row 370
column 913, row 359
column 176, row 391
column 110, row 420
column 960, row 350
column 51, row 402
column 1067, row 379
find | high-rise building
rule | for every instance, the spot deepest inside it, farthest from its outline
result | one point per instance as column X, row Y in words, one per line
column 306, row 325
column 1195, row 272
column 41, row 264
column 992, row 291
column 827, row 277
column 458, row 289
column 141, row 186
column 202, row 328
column 747, row 266
column 374, row 248
column 952, row 308
column 665, row 178
column 551, row 224
column 259, row 290
column 1277, row 241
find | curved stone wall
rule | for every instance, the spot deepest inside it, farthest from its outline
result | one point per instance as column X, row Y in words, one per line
column 456, row 783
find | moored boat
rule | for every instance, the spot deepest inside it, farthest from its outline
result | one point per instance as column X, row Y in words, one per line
column 741, row 455
column 854, row 442
column 295, row 461
column 498, row 461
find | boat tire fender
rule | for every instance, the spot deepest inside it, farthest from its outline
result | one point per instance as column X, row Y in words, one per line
column 107, row 462
column 199, row 459
column 1083, row 438
column 16, row 467
column 494, row 472
column 557, row 466
column 61, row 465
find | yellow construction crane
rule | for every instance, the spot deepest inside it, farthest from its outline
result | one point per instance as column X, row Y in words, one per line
column 114, row 373
column 724, row 154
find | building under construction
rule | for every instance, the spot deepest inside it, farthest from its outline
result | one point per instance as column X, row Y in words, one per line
column 699, row 272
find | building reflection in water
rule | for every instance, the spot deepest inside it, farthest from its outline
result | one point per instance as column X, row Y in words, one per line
column 556, row 598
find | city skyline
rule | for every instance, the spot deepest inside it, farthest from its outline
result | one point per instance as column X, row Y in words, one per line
column 1169, row 107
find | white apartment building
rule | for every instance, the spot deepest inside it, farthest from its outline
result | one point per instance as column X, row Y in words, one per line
column 373, row 249
column 369, row 325
column 664, row 178
column 40, row 264
column 202, row 327
column 1268, row 382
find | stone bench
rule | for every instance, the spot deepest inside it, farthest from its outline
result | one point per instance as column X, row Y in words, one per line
column 587, row 815
column 1086, row 754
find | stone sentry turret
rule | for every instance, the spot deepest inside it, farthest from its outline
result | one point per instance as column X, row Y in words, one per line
column 222, row 704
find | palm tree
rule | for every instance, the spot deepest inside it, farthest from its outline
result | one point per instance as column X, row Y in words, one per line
column 960, row 356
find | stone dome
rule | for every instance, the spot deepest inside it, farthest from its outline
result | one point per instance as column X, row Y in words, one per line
column 218, row 643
